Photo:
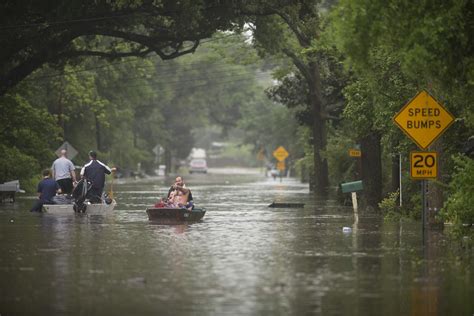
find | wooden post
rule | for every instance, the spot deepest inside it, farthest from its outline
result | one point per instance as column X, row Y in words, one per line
column 354, row 201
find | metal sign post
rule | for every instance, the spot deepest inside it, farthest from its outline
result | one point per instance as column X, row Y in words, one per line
column 400, row 177
column 423, row 208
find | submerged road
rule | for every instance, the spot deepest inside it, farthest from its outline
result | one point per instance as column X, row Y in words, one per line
column 244, row 258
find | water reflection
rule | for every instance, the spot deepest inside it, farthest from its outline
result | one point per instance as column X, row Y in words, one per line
column 243, row 258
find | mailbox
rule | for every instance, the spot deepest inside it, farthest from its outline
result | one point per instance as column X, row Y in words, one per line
column 354, row 186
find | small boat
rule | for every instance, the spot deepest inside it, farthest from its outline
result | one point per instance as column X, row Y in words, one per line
column 286, row 205
column 175, row 215
column 92, row 209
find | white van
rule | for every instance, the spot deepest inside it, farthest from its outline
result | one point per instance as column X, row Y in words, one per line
column 198, row 165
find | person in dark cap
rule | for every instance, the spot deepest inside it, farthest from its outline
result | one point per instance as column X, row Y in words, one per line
column 95, row 172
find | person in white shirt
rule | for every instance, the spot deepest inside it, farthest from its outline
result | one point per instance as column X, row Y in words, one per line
column 63, row 173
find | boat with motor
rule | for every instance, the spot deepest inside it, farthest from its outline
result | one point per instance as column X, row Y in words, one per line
column 88, row 208
column 80, row 202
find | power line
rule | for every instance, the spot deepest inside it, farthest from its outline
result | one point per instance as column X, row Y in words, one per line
column 175, row 84
column 121, row 82
column 195, row 66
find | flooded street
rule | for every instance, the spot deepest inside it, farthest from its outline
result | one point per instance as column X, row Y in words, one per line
column 243, row 258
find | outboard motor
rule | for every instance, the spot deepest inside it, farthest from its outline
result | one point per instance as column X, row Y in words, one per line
column 79, row 195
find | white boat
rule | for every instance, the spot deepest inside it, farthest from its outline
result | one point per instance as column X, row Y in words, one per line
column 92, row 209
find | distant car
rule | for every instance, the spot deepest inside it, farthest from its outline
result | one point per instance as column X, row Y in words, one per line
column 198, row 165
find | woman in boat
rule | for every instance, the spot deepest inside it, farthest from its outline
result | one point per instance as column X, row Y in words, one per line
column 179, row 195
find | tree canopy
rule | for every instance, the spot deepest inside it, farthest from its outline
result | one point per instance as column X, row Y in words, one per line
column 34, row 33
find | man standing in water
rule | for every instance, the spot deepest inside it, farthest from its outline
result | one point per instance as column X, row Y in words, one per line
column 63, row 173
column 95, row 172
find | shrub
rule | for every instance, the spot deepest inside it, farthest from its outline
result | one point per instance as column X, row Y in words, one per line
column 459, row 208
column 389, row 206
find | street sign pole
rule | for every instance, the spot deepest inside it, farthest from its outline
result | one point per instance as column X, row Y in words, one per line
column 400, row 177
column 423, row 208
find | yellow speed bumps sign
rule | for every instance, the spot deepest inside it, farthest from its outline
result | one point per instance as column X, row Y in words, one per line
column 280, row 153
column 423, row 165
column 423, row 119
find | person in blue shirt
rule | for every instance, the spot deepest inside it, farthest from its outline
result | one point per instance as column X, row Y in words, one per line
column 95, row 172
column 47, row 189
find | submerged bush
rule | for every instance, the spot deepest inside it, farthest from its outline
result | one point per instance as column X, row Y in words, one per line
column 389, row 207
column 459, row 208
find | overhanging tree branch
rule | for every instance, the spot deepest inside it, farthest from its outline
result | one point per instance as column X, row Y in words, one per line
column 111, row 55
column 302, row 67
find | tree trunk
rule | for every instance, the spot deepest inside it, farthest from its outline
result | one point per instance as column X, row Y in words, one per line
column 372, row 170
column 97, row 133
column 321, row 178
column 395, row 185
column 61, row 110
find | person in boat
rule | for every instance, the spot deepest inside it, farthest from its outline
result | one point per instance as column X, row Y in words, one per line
column 95, row 171
column 63, row 173
column 47, row 189
column 179, row 195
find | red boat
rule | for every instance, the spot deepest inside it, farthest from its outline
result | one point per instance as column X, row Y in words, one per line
column 175, row 215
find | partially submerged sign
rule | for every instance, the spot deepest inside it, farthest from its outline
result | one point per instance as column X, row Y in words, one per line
column 423, row 119
column 423, row 165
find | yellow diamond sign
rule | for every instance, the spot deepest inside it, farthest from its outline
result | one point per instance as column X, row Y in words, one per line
column 280, row 153
column 423, row 119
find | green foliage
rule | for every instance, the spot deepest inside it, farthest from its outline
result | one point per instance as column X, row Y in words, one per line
column 413, row 207
column 459, row 208
column 425, row 34
column 26, row 136
column 395, row 49
column 239, row 154
column 304, row 165
column 125, row 108
column 39, row 33
column 16, row 165
column 342, row 167
column 389, row 206
column 268, row 125
column 376, row 94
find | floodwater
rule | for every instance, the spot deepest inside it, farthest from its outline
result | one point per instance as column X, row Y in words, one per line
column 244, row 258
